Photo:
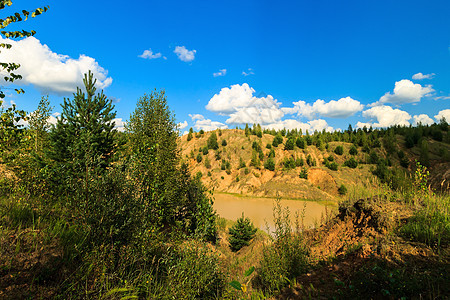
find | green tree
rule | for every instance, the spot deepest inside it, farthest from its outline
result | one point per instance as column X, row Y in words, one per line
column 169, row 197
column 353, row 150
column 11, row 67
column 83, row 139
column 189, row 137
column 339, row 150
column 212, row 141
column 241, row 233
column 38, row 122
column 270, row 164
column 290, row 144
column 300, row 142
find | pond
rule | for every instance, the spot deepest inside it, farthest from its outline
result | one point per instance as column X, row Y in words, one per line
column 260, row 210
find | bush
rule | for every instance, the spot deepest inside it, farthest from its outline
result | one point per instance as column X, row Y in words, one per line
column 333, row 166
column 300, row 143
column 241, row 233
column 286, row 258
column 224, row 143
column 193, row 272
column 205, row 150
column 304, row 173
column 269, row 164
column 199, row 158
column 310, row 161
column 351, row 163
column 353, row 151
column 290, row 143
column 342, row 190
column 339, row 150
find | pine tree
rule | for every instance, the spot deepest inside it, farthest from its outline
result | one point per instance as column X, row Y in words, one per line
column 83, row 138
column 241, row 233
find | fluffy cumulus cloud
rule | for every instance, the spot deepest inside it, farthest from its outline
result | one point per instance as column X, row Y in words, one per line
column 200, row 122
column 148, row 54
column 222, row 72
column 405, row 91
column 185, row 54
column 241, row 106
column 384, row 116
column 420, row 76
column 423, row 119
column 342, row 108
column 443, row 114
column 182, row 125
column 311, row 126
column 119, row 124
column 51, row 72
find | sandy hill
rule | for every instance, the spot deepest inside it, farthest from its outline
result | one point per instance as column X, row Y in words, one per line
column 222, row 169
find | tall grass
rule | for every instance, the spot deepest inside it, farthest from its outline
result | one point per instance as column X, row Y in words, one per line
column 288, row 255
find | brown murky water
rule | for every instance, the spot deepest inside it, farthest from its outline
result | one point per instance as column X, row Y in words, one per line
column 260, row 210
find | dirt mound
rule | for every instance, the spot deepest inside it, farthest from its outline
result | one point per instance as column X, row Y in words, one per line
column 322, row 179
column 440, row 177
column 355, row 225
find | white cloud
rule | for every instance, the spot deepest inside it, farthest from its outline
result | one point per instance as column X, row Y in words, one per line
column 206, row 124
column 51, row 72
column 222, row 72
column 405, row 91
column 185, row 54
column 420, row 76
column 196, row 117
column 248, row 72
column 385, row 116
column 342, row 108
column 423, row 119
column 311, row 126
column 119, row 124
column 241, row 106
column 182, row 125
column 148, row 54
column 256, row 114
column 443, row 114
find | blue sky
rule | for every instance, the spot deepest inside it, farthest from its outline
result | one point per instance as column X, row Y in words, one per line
column 305, row 64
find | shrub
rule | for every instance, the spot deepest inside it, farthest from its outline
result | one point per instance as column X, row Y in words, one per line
column 300, row 143
column 304, row 173
column 270, row 164
column 290, row 143
column 224, row 143
column 310, row 161
column 269, row 146
column 205, row 150
column 339, row 150
column 353, row 151
column 351, row 163
column 241, row 233
column 241, row 163
column 207, row 163
column 342, row 190
column 193, row 272
column 333, row 166
column 199, row 158
column 286, row 258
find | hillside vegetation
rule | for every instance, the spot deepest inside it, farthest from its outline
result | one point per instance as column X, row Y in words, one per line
column 290, row 164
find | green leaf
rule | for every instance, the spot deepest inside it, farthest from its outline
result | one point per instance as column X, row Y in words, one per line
column 249, row 271
column 236, row 285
